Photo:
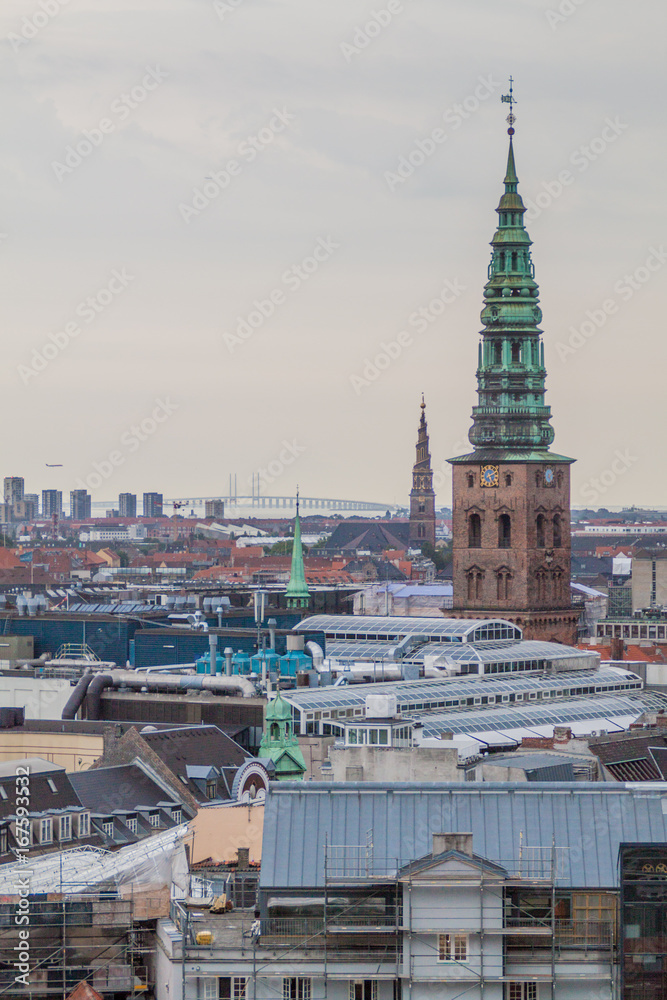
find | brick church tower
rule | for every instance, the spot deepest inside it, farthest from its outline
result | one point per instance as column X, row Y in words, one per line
column 511, row 495
column 422, row 497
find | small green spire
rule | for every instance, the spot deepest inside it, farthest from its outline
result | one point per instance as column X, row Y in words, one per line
column 511, row 179
column 297, row 593
column 279, row 742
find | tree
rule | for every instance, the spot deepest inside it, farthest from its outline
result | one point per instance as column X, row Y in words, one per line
column 440, row 556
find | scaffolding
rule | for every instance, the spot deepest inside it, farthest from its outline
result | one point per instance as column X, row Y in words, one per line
column 375, row 924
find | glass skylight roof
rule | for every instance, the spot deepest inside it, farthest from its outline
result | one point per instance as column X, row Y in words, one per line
column 419, row 698
column 558, row 713
column 396, row 628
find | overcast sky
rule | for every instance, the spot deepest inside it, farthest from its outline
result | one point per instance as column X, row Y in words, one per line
column 117, row 111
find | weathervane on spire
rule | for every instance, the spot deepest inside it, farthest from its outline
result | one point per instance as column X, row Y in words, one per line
column 509, row 99
column 297, row 499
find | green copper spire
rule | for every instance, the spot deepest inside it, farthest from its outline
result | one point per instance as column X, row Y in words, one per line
column 297, row 593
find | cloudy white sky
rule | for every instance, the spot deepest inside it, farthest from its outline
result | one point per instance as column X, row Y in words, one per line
column 353, row 97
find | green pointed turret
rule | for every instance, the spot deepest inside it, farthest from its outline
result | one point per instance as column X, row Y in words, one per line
column 279, row 742
column 297, row 593
column 511, row 420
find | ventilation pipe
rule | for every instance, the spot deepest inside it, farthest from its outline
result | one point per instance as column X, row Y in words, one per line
column 317, row 654
column 75, row 700
column 164, row 682
column 229, row 653
column 213, row 652
column 272, row 623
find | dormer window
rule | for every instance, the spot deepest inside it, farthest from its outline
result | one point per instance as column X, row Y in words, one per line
column 52, row 785
column 211, row 789
column 154, row 818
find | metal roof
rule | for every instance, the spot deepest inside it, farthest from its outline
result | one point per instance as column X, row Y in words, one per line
column 446, row 629
column 499, row 651
column 585, row 820
column 413, row 696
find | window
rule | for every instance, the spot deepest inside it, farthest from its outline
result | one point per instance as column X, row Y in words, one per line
column 231, row 988
column 4, row 847
column 65, row 832
column 84, row 824
column 504, row 532
column 498, row 348
column 541, row 535
column 521, row 991
column 45, row 831
column 516, row 352
column 210, row 990
column 508, row 479
column 296, row 988
column 132, row 824
column 363, row 989
column 154, row 819
column 452, row 947
column 3, row 792
column 107, row 827
column 593, row 906
column 52, row 785
column 177, row 815
column 474, row 531
column 471, row 480
column 212, row 786
column 558, row 532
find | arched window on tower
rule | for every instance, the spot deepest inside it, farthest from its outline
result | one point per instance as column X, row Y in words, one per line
column 538, row 480
column 558, row 531
column 508, row 479
column 541, row 531
column 501, row 261
column 421, row 531
column 516, row 352
column 471, row 480
column 422, row 508
column 515, row 260
column 474, row 578
column 498, row 352
column 503, row 584
column 474, row 531
column 504, row 532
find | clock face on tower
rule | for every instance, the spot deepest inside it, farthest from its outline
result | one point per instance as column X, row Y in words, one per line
column 489, row 475
column 549, row 476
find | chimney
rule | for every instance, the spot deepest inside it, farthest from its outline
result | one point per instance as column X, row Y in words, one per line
column 452, row 842
column 562, row 734
column 243, row 862
column 617, row 648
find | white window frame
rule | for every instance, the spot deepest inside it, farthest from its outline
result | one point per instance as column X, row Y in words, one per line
column 46, row 830
column 132, row 824
column 452, row 947
column 521, row 991
column 83, row 826
column 65, row 827
column 362, row 982
column 106, row 823
column 210, row 990
column 297, row 988
column 154, row 819
column 177, row 816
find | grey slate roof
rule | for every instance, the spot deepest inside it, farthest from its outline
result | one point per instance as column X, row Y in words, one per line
column 588, row 820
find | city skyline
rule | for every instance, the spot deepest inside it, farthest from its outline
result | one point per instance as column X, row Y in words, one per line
column 361, row 207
